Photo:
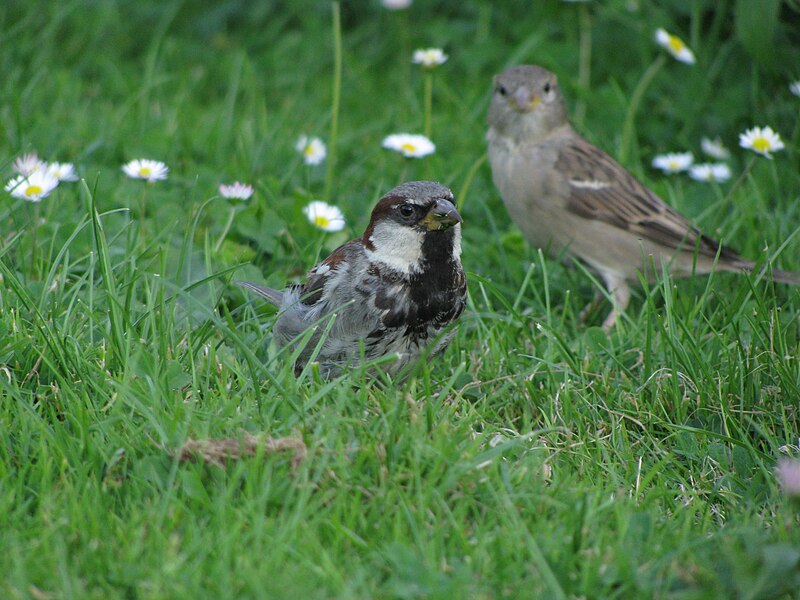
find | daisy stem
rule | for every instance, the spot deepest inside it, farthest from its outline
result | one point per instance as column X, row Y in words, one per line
column 142, row 209
column 748, row 167
column 795, row 134
column 633, row 107
column 404, row 171
column 775, row 181
column 225, row 229
column 584, row 61
column 428, row 102
column 462, row 194
column 405, row 41
column 337, row 90
column 34, row 230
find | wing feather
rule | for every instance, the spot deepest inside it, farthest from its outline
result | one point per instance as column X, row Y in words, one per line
column 600, row 188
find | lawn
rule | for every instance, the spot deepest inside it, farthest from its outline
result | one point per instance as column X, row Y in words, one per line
column 538, row 457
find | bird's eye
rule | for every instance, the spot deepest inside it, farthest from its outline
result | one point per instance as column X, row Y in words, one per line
column 547, row 87
column 406, row 210
column 501, row 89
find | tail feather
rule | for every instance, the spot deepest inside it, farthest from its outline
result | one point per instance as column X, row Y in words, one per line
column 787, row 277
column 272, row 296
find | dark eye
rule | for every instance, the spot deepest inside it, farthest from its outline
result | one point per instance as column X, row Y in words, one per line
column 406, row 210
column 501, row 89
column 547, row 87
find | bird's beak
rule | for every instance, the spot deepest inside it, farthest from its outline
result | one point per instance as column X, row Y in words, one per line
column 524, row 99
column 442, row 215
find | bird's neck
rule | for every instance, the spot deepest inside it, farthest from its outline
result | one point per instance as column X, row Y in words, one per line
column 441, row 255
column 529, row 128
column 414, row 253
column 439, row 247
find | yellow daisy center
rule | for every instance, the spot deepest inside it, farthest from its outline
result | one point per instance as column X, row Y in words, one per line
column 309, row 150
column 145, row 171
column 761, row 144
column 676, row 44
column 409, row 147
column 322, row 222
column 33, row 190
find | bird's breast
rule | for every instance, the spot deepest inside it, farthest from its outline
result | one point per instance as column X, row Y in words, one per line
column 530, row 187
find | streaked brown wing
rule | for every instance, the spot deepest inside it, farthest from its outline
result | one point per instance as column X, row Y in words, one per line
column 600, row 188
column 313, row 287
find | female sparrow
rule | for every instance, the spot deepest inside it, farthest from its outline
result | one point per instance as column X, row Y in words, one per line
column 392, row 291
column 566, row 194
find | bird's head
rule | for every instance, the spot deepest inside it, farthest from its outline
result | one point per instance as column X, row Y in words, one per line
column 527, row 101
column 414, row 226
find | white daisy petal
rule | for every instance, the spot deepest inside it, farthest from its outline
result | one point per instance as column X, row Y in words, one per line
column 794, row 87
column 675, row 46
column 149, row 170
column 409, row 145
column 673, row 162
column 29, row 163
column 34, row 187
column 716, row 172
column 714, row 148
column 324, row 216
column 762, row 140
column 62, row 171
column 396, row 4
column 312, row 148
column 429, row 58
column 237, row 190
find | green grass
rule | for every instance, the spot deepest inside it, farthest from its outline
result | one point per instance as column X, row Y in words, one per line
column 537, row 458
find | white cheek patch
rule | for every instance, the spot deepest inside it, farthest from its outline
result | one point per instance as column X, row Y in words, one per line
column 457, row 241
column 398, row 246
column 589, row 185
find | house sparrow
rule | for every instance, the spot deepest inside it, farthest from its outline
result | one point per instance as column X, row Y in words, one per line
column 394, row 289
column 566, row 194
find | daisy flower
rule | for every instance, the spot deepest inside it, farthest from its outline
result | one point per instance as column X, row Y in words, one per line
column 32, row 187
column 673, row 162
column 409, row 145
column 794, row 87
column 788, row 472
column 717, row 172
column 151, row 170
column 714, row 148
column 396, row 4
column 240, row 191
column 312, row 148
column 429, row 58
column 324, row 216
column 62, row 171
column 675, row 46
column 761, row 140
column 27, row 164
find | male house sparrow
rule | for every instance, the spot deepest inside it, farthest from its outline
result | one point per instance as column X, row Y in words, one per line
column 393, row 290
column 566, row 194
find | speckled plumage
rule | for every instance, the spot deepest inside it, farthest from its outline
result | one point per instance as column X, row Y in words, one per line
column 394, row 289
